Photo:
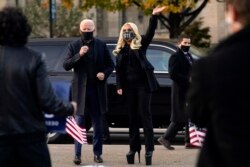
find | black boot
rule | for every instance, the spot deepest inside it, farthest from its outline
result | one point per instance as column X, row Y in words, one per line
column 131, row 157
column 148, row 157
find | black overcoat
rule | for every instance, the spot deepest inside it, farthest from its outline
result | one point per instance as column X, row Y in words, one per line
column 179, row 71
column 219, row 100
column 103, row 63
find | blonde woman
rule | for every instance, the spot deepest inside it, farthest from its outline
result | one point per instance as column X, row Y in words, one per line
column 136, row 82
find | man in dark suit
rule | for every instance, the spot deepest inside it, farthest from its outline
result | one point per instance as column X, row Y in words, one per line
column 179, row 68
column 219, row 93
column 91, row 61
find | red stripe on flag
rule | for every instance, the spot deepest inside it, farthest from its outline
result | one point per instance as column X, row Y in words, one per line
column 78, row 133
column 197, row 135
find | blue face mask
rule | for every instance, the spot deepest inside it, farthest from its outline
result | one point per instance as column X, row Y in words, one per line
column 128, row 35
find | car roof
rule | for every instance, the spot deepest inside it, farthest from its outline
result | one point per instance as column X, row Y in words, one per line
column 113, row 40
column 106, row 39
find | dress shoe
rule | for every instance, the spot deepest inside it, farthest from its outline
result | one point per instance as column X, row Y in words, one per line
column 98, row 159
column 190, row 146
column 165, row 143
column 131, row 156
column 148, row 157
column 77, row 160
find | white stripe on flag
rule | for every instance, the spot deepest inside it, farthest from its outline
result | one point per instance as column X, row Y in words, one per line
column 197, row 135
column 81, row 129
column 78, row 133
column 74, row 127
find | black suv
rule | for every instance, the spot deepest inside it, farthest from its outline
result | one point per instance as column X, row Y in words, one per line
column 158, row 54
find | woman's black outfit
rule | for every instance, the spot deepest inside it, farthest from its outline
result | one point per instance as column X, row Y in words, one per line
column 136, row 78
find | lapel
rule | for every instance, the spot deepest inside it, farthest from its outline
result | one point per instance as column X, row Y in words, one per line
column 93, row 47
column 189, row 58
column 95, row 50
column 1, row 53
column 185, row 58
column 137, row 54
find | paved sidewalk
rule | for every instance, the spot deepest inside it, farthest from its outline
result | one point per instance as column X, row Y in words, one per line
column 114, row 156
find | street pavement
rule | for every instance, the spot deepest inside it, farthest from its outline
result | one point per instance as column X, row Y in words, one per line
column 114, row 156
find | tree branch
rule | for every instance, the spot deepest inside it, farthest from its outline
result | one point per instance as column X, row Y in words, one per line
column 162, row 22
column 163, row 17
column 136, row 3
column 186, row 23
column 193, row 15
column 198, row 10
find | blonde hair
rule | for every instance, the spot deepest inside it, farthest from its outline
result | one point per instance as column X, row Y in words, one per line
column 135, row 43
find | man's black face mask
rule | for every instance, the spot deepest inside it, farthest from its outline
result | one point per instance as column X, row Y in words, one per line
column 87, row 36
column 185, row 48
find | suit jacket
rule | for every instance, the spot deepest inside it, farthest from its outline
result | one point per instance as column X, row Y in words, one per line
column 103, row 63
column 219, row 100
column 179, row 71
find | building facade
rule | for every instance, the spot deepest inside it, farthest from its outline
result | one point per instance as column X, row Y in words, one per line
column 213, row 17
column 108, row 24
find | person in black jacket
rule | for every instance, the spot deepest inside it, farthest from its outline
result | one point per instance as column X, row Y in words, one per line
column 136, row 81
column 218, row 98
column 180, row 64
column 25, row 92
column 92, row 63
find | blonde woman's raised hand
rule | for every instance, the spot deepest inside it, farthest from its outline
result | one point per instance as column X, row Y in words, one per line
column 158, row 9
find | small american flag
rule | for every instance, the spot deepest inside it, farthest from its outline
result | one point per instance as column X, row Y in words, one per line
column 75, row 131
column 197, row 135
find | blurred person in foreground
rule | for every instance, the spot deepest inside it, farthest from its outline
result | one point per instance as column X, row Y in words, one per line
column 180, row 65
column 92, row 63
column 25, row 92
column 219, row 93
column 136, row 82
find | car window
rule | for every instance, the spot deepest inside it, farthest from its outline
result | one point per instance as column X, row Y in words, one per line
column 53, row 56
column 158, row 55
column 196, row 52
column 158, row 58
column 111, row 47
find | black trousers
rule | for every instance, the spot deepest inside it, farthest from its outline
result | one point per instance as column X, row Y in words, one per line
column 173, row 129
column 138, row 106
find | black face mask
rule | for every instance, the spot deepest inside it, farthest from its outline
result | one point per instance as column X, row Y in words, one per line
column 128, row 35
column 185, row 48
column 87, row 36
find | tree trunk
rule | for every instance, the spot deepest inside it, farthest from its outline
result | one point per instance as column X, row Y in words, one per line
column 174, row 24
